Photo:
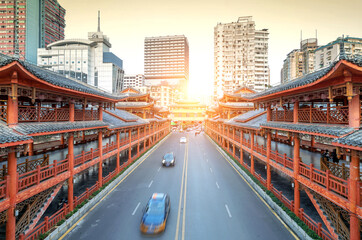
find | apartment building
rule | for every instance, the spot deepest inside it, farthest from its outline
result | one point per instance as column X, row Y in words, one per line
column 240, row 57
column 327, row 54
column 133, row 81
column 166, row 59
column 299, row 62
column 29, row 24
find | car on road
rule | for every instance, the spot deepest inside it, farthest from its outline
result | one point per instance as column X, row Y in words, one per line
column 169, row 159
column 155, row 214
column 183, row 140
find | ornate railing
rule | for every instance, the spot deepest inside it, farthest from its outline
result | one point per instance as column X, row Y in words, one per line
column 333, row 115
column 89, row 115
column 282, row 115
column 3, row 113
column 42, row 114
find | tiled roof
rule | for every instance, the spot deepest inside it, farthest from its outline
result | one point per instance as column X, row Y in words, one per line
column 237, row 104
column 254, row 123
column 307, row 79
column 32, row 128
column 353, row 139
column 123, row 114
column 333, row 130
column 249, row 114
column 57, row 79
column 114, row 122
column 7, row 135
column 133, row 104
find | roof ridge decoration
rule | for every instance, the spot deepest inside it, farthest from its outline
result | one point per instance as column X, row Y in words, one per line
column 355, row 59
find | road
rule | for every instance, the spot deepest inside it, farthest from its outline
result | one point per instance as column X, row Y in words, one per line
column 209, row 199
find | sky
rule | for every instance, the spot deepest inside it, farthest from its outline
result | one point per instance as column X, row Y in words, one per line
column 127, row 23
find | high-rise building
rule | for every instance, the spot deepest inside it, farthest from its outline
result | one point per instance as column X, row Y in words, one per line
column 133, row 81
column 29, row 24
column 87, row 60
column 292, row 66
column 299, row 62
column 327, row 54
column 166, row 59
column 240, row 57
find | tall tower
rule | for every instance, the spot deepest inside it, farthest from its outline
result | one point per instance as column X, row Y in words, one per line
column 240, row 57
column 36, row 24
column 166, row 60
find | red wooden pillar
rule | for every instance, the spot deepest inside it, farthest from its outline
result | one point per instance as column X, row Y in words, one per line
column 130, row 145
column 118, row 152
column 71, row 170
column 312, row 141
column 138, row 142
column 100, row 113
column 71, row 112
column 252, row 152
column 295, row 112
column 268, row 113
column 100, row 164
column 296, row 159
column 354, row 112
column 354, row 192
column 12, row 111
column 268, row 151
column 83, row 112
column 83, row 136
column 12, row 185
column 144, row 138
column 241, row 147
column 31, row 149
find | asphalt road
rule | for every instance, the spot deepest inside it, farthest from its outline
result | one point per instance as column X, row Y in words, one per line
column 209, row 200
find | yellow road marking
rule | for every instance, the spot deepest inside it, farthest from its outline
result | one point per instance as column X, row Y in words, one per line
column 75, row 224
column 181, row 190
column 184, row 211
column 266, row 204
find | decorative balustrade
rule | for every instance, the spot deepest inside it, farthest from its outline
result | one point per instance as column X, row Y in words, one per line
column 3, row 113
column 329, row 181
column 42, row 114
column 3, row 188
column 332, row 115
column 27, row 165
column 316, row 227
column 282, row 115
column 86, row 115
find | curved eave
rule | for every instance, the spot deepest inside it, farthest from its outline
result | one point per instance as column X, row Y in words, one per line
column 16, row 64
column 233, row 96
column 235, row 107
column 12, row 144
column 336, row 71
column 347, row 146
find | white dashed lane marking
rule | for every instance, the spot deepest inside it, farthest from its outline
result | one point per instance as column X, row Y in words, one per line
column 135, row 210
column 227, row 209
column 217, row 185
column 149, row 185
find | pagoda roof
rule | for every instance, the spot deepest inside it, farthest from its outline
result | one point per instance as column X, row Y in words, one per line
column 353, row 140
column 42, row 128
column 253, row 123
column 54, row 79
column 115, row 122
column 236, row 104
column 9, row 137
column 327, row 130
column 354, row 63
column 249, row 115
column 122, row 115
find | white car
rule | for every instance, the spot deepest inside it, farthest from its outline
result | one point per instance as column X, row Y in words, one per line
column 183, row 140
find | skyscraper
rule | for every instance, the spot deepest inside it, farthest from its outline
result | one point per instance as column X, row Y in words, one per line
column 240, row 56
column 34, row 24
column 166, row 59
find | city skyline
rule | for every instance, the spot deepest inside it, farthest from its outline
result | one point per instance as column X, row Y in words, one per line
column 139, row 19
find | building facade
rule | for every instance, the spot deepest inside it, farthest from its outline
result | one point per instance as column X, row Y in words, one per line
column 133, row 80
column 164, row 95
column 87, row 60
column 299, row 62
column 327, row 54
column 240, row 57
column 166, row 59
column 38, row 23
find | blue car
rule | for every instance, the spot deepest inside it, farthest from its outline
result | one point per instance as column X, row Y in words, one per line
column 168, row 159
column 155, row 214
